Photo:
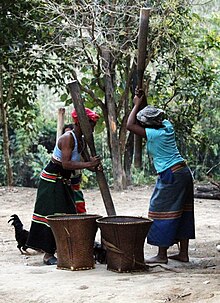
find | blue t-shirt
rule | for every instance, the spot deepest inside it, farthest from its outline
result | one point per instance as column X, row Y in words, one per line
column 161, row 145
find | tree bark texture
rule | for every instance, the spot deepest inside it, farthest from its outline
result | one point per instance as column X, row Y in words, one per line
column 6, row 142
column 112, row 121
column 128, row 156
column 138, row 151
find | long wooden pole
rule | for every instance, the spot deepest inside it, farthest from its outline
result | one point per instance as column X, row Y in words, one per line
column 142, row 45
column 60, row 121
column 88, row 135
column 141, row 65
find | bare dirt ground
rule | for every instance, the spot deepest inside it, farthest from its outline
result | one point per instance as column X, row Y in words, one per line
column 25, row 278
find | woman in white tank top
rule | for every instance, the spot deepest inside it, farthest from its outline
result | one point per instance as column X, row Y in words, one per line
column 54, row 193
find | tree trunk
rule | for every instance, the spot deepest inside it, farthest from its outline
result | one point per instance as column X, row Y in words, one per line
column 129, row 151
column 6, row 142
column 138, row 151
column 112, row 121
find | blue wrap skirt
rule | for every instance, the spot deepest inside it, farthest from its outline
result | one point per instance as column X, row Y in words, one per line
column 172, row 208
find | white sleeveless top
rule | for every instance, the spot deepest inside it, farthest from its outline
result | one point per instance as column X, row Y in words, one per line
column 57, row 153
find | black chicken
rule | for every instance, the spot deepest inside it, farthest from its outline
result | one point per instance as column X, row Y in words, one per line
column 21, row 234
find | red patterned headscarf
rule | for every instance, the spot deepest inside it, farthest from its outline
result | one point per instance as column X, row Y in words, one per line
column 90, row 114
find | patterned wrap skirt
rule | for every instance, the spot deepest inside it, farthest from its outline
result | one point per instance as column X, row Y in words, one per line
column 172, row 208
column 78, row 194
column 54, row 196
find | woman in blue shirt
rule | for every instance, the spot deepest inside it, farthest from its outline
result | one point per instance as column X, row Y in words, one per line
column 172, row 203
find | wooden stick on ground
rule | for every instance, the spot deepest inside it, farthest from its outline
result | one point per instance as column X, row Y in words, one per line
column 88, row 135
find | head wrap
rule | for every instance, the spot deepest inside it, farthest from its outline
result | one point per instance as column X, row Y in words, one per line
column 90, row 114
column 150, row 116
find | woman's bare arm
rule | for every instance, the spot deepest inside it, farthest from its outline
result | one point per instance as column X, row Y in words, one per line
column 131, row 123
column 66, row 144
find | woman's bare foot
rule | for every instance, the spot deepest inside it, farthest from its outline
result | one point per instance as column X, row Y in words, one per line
column 179, row 257
column 49, row 259
column 157, row 259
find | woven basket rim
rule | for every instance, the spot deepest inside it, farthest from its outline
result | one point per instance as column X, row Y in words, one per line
column 141, row 220
column 67, row 217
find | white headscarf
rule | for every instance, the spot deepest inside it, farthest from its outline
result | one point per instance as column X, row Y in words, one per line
column 150, row 116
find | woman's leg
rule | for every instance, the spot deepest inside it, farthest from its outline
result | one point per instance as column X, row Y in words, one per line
column 161, row 256
column 183, row 252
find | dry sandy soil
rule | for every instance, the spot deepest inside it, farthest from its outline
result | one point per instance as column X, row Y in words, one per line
column 25, row 279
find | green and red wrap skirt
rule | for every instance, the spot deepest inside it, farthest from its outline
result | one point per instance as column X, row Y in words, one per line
column 55, row 196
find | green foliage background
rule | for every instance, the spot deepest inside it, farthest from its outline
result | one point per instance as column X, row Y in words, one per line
column 184, row 70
